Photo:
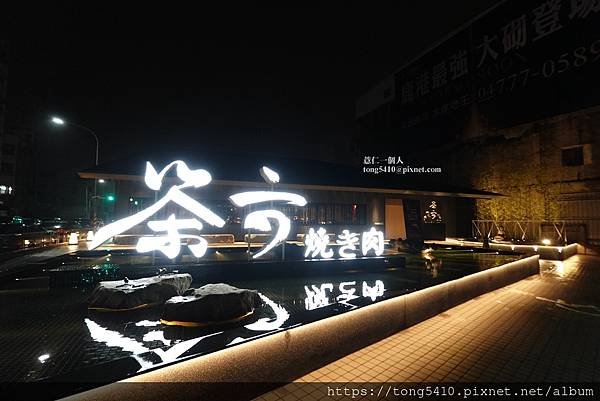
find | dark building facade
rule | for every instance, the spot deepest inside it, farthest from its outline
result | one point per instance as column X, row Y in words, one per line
column 339, row 197
column 506, row 103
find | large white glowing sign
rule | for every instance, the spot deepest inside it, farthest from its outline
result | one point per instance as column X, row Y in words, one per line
column 169, row 244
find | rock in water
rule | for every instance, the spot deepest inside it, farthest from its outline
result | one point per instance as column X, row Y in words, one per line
column 124, row 295
column 212, row 303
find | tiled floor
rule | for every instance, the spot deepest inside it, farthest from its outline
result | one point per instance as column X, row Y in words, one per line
column 544, row 328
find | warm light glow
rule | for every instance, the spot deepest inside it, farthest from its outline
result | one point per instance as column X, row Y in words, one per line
column 270, row 176
column 58, row 121
column 73, row 238
column 546, row 241
column 89, row 236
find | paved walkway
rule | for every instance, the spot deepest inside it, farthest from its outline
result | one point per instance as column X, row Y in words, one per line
column 542, row 329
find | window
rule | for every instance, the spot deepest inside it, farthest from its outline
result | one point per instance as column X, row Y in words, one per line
column 572, row 156
column 327, row 214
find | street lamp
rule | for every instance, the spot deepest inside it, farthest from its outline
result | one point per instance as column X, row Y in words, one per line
column 59, row 121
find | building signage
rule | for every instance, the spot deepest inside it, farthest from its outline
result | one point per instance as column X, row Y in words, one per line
column 168, row 238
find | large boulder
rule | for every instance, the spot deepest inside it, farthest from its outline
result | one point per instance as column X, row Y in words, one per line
column 127, row 294
column 212, row 303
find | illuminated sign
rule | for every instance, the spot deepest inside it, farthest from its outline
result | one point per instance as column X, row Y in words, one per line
column 170, row 243
column 316, row 243
column 168, row 238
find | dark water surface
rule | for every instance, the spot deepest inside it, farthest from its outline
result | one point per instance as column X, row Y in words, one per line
column 49, row 334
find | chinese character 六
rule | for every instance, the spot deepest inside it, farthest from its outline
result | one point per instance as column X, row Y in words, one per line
column 316, row 243
column 514, row 34
column 348, row 242
column 546, row 19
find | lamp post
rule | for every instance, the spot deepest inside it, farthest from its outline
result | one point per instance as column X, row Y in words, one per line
column 59, row 121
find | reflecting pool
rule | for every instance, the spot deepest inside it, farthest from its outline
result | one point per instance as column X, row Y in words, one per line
column 49, row 334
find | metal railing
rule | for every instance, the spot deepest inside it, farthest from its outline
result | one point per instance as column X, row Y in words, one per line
column 521, row 230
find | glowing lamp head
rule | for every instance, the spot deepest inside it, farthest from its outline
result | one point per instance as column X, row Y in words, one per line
column 110, row 198
column 101, row 181
column 57, row 121
column 546, row 241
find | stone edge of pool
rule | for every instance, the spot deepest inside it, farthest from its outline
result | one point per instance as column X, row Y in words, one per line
column 287, row 355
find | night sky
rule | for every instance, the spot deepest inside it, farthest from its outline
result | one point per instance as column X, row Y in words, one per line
column 279, row 81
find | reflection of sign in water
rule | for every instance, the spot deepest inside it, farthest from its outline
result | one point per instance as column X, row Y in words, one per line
column 170, row 243
column 318, row 296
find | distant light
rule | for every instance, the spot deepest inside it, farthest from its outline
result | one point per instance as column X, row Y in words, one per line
column 110, row 198
column 73, row 239
column 58, row 121
column 43, row 358
column 130, row 199
column 135, row 203
column 535, row 248
column 546, row 241
column 101, row 181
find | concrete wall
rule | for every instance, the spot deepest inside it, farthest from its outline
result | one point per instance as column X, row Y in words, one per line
column 287, row 355
column 525, row 164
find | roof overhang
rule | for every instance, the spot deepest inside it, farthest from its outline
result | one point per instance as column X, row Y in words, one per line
column 260, row 184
